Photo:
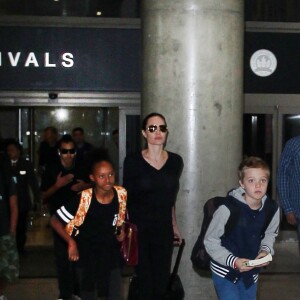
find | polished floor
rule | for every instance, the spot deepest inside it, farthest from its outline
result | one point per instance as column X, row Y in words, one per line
column 281, row 280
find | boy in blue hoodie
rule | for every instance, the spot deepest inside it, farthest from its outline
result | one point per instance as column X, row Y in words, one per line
column 252, row 236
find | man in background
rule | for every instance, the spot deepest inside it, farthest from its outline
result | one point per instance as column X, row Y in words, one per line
column 25, row 179
column 9, row 261
column 288, row 182
column 61, row 181
column 48, row 147
column 82, row 147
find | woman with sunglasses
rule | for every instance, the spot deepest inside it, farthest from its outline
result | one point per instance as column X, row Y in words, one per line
column 151, row 178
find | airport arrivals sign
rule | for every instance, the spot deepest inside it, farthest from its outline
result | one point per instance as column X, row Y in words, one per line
column 31, row 60
column 69, row 59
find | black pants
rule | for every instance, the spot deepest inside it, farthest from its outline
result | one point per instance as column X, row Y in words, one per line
column 66, row 274
column 153, row 270
column 111, row 292
column 21, row 230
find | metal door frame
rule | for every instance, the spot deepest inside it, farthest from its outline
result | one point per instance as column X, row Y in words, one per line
column 123, row 113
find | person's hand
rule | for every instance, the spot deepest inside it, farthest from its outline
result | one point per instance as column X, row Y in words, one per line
column 72, row 250
column 241, row 266
column 78, row 186
column 260, row 255
column 177, row 236
column 291, row 218
column 63, row 180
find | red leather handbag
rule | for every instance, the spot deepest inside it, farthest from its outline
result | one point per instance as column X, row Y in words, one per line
column 129, row 247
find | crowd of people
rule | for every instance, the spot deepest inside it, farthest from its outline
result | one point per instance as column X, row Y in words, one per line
column 63, row 176
column 87, row 257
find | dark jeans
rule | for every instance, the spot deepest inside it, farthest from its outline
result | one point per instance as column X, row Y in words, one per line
column 21, row 230
column 66, row 275
column 153, row 270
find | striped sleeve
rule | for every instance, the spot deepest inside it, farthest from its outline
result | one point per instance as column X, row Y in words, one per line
column 212, row 239
column 67, row 212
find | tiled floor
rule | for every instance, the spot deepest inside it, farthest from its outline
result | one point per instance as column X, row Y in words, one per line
column 39, row 232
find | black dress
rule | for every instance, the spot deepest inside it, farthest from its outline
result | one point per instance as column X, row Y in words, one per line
column 151, row 196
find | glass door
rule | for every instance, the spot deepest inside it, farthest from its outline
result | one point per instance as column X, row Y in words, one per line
column 116, row 129
column 129, row 135
column 266, row 130
column 99, row 125
column 260, row 138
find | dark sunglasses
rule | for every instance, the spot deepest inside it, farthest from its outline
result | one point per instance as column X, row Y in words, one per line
column 153, row 128
column 65, row 151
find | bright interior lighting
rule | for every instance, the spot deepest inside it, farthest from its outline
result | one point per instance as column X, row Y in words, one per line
column 61, row 114
column 294, row 117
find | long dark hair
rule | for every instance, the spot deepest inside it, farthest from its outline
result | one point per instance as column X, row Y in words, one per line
column 153, row 114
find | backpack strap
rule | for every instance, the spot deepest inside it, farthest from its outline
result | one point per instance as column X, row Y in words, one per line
column 234, row 214
column 85, row 201
column 271, row 208
column 122, row 198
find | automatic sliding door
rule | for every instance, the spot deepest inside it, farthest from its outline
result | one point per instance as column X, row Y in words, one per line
column 99, row 124
column 258, row 139
column 130, row 135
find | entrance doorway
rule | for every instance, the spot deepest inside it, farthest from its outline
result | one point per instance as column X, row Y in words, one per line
column 109, row 127
column 269, row 122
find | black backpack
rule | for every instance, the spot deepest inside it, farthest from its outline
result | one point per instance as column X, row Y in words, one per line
column 199, row 256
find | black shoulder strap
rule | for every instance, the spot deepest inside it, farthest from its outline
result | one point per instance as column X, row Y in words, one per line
column 271, row 208
column 234, row 209
column 209, row 208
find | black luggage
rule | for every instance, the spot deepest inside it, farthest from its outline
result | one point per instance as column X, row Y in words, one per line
column 175, row 289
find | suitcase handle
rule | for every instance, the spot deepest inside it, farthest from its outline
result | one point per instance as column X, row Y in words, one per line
column 178, row 258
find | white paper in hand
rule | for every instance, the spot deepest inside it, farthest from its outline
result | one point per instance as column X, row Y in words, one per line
column 259, row 261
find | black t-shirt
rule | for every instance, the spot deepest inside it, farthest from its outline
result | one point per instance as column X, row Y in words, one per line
column 151, row 192
column 64, row 194
column 97, row 233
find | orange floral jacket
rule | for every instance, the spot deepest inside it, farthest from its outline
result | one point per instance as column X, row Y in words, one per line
column 72, row 227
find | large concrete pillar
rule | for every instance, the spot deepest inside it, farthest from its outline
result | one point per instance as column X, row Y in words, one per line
column 193, row 74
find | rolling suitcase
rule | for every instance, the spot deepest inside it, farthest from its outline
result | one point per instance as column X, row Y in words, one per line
column 175, row 289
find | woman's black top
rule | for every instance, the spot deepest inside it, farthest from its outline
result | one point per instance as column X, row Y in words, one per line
column 151, row 192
